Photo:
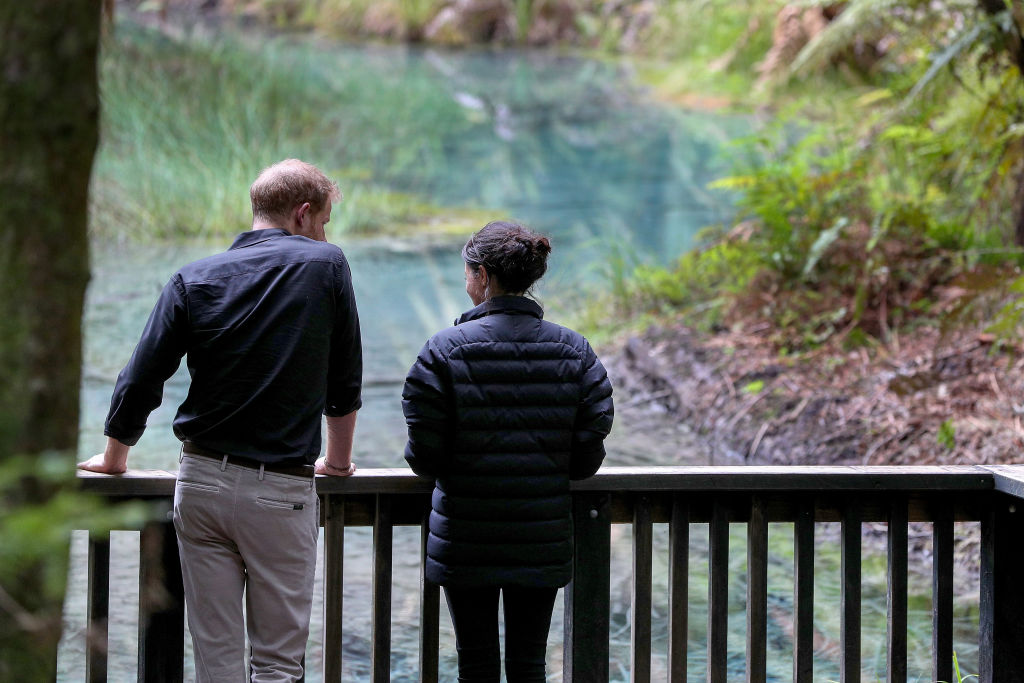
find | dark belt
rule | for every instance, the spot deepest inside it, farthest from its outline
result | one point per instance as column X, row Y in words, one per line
column 307, row 471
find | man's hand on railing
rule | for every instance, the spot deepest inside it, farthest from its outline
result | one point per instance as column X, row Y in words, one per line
column 327, row 468
column 113, row 460
column 337, row 459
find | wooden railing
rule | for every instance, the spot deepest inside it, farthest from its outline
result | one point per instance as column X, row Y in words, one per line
column 641, row 497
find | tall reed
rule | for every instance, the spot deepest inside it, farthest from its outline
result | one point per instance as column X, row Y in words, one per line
column 188, row 123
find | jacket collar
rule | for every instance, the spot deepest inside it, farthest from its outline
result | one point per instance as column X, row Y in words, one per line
column 512, row 305
column 247, row 239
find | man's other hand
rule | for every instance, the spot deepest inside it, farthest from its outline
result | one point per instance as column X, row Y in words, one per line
column 113, row 460
column 324, row 467
column 98, row 463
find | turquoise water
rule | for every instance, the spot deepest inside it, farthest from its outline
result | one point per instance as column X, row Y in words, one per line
column 573, row 148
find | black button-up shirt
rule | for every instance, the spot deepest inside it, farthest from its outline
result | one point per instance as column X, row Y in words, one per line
column 271, row 334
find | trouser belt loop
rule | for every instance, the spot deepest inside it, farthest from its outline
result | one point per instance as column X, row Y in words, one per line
column 261, row 471
column 224, row 463
column 181, row 452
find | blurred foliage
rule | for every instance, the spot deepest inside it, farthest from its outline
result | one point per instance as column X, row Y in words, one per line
column 858, row 209
column 40, row 505
column 697, row 31
column 896, row 173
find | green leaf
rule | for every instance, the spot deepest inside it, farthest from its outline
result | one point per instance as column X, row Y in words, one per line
column 824, row 241
column 867, row 99
column 755, row 387
column 947, row 435
column 733, row 182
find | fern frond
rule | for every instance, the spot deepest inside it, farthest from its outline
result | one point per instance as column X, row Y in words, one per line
column 943, row 59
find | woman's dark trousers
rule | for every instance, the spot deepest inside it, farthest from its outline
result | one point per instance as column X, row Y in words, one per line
column 527, row 620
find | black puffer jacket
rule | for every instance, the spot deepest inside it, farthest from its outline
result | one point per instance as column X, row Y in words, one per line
column 503, row 410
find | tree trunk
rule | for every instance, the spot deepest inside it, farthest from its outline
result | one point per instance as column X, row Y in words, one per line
column 49, row 108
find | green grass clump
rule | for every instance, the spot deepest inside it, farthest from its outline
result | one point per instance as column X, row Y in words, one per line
column 187, row 125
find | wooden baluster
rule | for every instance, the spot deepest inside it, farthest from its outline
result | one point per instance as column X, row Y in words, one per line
column 334, row 576
column 896, row 596
column 757, row 591
column 98, row 608
column 678, row 594
column 587, row 598
column 430, row 604
column 1001, row 655
column 382, row 542
column 850, row 598
column 640, row 633
column 942, row 594
column 803, row 590
column 161, row 606
column 718, row 594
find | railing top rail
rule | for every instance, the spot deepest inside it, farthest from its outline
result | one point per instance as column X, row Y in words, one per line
column 1008, row 479
column 837, row 478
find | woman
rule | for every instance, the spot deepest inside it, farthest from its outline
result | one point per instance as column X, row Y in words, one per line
column 503, row 410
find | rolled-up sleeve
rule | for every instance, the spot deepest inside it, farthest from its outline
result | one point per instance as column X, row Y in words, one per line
column 345, row 366
column 593, row 418
column 426, row 403
column 140, row 385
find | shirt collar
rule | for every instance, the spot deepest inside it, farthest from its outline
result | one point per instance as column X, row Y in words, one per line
column 513, row 305
column 247, row 239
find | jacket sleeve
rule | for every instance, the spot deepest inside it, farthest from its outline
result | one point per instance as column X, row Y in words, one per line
column 140, row 385
column 427, row 404
column 593, row 418
column 345, row 364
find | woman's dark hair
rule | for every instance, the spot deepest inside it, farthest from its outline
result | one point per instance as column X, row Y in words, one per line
column 515, row 256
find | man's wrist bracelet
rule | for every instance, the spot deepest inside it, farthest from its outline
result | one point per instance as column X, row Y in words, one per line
column 339, row 469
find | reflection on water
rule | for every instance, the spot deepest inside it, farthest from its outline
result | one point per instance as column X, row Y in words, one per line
column 569, row 146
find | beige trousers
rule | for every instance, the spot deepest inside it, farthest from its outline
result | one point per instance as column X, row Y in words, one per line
column 246, row 531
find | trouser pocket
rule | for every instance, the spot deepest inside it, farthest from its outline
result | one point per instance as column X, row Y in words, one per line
column 281, row 504
column 198, row 486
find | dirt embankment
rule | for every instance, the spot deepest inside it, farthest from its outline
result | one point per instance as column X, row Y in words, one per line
column 922, row 400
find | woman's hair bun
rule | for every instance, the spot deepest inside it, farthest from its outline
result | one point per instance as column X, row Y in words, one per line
column 515, row 255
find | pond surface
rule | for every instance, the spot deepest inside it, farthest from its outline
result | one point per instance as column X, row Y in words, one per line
column 569, row 146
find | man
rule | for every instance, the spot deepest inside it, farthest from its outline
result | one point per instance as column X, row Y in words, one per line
column 272, row 340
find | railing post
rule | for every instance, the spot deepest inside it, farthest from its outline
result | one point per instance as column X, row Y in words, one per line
column 803, row 593
column 718, row 594
column 98, row 608
column 382, row 541
column 757, row 591
column 897, row 592
column 587, row 597
column 430, row 607
column 942, row 594
column 161, row 606
column 850, row 596
column 640, row 631
column 334, row 573
column 1001, row 637
column 678, row 588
